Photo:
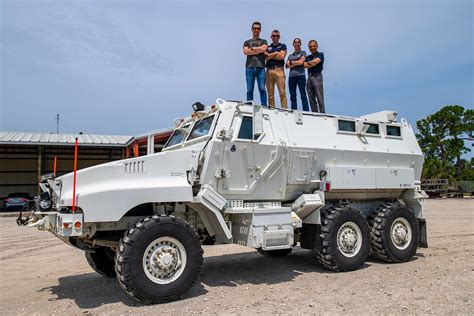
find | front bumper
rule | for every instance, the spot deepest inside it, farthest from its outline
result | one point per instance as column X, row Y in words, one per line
column 60, row 224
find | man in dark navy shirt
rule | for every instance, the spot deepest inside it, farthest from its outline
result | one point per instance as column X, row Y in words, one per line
column 275, row 56
column 314, row 63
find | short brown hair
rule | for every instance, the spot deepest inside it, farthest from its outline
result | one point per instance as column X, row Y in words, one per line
column 257, row 23
column 313, row 41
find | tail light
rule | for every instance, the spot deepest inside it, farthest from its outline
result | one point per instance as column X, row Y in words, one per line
column 327, row 186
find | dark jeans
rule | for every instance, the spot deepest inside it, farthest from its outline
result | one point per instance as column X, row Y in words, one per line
column 259, row 74
column 315, row 93
column 299, row 81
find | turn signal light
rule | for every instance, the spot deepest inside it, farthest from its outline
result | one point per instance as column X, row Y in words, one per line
column 77, row 225
column 66, row 225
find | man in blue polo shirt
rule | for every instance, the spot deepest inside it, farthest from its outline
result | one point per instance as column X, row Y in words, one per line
column 314, row 63
column 275, row 56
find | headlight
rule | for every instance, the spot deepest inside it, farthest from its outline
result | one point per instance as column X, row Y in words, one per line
column 44, row 202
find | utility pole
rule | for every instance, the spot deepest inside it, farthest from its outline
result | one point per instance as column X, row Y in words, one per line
column 57, row 123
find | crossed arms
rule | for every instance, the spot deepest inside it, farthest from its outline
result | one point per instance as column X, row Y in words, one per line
column 294, row 63
column 255, row 50
column 312, row 63
column 276, row 55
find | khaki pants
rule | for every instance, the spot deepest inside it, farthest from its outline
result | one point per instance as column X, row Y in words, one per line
column 276, row 75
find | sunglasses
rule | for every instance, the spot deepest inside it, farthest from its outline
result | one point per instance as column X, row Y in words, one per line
column 297, row 43
column 275, row 35
column 255, row 28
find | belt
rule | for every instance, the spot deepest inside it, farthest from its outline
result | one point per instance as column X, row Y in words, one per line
column 314, row 74
column 275, row 67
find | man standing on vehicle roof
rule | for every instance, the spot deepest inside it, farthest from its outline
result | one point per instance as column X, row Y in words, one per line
column 255, row 49
column 275, row 55
column 314, row 64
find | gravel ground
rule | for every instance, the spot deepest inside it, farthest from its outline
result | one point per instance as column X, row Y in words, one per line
column 40, row 274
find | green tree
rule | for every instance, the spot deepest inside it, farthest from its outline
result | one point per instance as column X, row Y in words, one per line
column 443, row 138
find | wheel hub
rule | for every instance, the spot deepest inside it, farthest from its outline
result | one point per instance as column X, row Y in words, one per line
column 349, row 239
column 164, row 260
column 401, row 233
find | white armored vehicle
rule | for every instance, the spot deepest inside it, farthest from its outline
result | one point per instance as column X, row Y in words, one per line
column 236, row 172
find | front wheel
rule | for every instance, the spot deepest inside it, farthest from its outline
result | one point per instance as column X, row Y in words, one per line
column 159, row 259
column 345, row 239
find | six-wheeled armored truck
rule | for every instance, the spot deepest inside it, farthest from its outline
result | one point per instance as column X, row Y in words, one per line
column 237, row 172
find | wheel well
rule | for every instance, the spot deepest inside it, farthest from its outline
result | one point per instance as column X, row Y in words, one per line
column 144, row 209
column 177, row 209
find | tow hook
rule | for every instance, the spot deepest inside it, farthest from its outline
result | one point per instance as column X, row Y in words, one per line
column 23, row 221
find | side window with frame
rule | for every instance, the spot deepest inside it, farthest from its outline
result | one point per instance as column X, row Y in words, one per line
column 346, row 126
column 246, row 128
column 394, row 131
column 373, row 128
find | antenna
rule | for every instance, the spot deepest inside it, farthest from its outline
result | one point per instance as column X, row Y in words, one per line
column 57, row 123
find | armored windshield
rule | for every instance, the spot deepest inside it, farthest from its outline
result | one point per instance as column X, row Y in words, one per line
column 178, row 136
column 201, row 128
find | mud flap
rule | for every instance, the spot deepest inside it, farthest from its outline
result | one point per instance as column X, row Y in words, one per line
column 423, row 236
column 311, row 237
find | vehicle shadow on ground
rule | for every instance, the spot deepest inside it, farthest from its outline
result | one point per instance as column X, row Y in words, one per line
column 252, row 268
column 91, row 290
column 378, row 261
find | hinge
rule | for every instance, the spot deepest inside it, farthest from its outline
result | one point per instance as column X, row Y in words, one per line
column 222, row 173
column 298, row 117
column 224, row 134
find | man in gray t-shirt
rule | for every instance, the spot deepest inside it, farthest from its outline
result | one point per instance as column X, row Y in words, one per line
column 255, row 49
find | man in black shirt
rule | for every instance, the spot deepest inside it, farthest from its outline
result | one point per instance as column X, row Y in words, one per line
column 275, row 55
column 314, row 63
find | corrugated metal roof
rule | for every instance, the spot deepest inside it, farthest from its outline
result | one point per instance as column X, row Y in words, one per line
column 24, row 138
column 161, row 131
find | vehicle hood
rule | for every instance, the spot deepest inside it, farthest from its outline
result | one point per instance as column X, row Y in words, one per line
column 106, row 192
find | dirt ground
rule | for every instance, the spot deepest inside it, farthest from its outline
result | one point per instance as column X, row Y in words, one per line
column 41, row 275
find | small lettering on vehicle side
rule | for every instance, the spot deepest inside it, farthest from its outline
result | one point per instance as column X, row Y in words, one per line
column 176, row 174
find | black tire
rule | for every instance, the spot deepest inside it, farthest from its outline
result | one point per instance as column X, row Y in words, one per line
column 274, row 253
column 330, row 255
column 130, row 255
column 102, row 261
column 383, row 247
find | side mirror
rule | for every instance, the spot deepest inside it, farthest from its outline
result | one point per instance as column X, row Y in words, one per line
column 257, row 121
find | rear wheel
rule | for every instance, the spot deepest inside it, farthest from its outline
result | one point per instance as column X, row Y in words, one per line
column 345, row 239
column 159, row 259
column 274, row 253
column 101, row 261
column 394, row 233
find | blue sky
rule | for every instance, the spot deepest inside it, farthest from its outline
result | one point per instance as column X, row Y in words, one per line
column 126, row 67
